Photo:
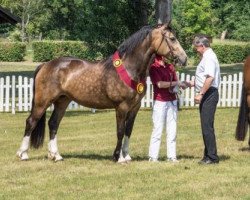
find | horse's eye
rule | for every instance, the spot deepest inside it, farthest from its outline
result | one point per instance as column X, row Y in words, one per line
column 173, row 39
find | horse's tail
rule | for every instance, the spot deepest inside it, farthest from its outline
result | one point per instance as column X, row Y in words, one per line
column 243, row 121
column 37, row 135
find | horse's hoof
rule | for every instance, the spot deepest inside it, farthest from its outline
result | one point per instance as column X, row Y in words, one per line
column 58, row 158
column 128, row 158
column 121, row 160
column 55, row 156
column 22, row 155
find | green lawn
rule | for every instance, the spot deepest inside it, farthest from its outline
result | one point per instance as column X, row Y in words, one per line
column 87, row 140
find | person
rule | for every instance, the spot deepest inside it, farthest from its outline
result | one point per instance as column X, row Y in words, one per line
column 206, row 82
column 164, row 79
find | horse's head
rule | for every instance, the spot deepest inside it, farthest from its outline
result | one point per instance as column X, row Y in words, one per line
column 166, row 44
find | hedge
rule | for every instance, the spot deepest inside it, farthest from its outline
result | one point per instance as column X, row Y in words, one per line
column 228, row 53
column 12, row 51
column 48, row 50
column 231, row 53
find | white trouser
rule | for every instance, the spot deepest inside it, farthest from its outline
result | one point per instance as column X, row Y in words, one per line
column 164, row 113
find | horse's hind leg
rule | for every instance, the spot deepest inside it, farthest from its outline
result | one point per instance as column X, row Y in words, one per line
column 36, row 117
column 60, row 106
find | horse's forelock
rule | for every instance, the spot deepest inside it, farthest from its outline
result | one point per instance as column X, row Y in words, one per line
column 133, row 41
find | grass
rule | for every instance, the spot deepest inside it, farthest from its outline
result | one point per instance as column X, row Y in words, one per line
column 86, row 141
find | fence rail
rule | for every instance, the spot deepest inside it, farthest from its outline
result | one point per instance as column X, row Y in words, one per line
column 16, row 93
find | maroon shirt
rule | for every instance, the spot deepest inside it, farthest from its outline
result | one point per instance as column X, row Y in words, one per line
column 166, row 73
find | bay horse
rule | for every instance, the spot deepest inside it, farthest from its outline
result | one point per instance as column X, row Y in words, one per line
column 244, row 114
column 116, row 82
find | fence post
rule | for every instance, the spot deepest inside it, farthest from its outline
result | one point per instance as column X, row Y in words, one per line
column 235, row 81
column 7, row 94
column 229, row 90
column 31, row 82
column 25, row 91
column 20, row 94
column 240, row 88
column 13, row 95
column 1, row 93
column 224, row 87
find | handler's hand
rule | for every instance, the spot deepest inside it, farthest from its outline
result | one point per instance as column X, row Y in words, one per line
column 197, row 99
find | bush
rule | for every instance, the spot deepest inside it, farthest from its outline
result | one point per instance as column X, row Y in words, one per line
column 12, row 51
column 231, row 53
column 48, row 50
column 227, row 52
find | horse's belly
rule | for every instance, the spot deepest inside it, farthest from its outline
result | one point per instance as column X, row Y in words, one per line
column 95, row 103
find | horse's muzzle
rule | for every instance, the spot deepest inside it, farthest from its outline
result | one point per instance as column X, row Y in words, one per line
column 180, row 61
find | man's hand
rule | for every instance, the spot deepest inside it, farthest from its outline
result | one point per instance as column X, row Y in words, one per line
column 197, row 98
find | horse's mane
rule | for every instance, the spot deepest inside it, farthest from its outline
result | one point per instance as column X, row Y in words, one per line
column 128, row 46
column 133, row 41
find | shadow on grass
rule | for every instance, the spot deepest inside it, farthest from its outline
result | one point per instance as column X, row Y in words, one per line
column 100, row 157
column 88, row 156
column 224, row 157
column 245, row 149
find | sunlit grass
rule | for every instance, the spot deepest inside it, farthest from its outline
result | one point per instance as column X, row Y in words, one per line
column 87, row 140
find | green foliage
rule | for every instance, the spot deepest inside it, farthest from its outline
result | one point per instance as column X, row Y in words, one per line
column 233, row 16
column 231, row 53
column 190, row 18
column 48, row 50
column 12, row 51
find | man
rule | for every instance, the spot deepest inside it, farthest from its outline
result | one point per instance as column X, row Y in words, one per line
column 207, row 80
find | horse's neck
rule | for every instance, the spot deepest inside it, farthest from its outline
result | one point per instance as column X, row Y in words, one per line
column 138, row 63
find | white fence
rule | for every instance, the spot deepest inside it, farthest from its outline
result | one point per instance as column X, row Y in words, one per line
column 16, row 93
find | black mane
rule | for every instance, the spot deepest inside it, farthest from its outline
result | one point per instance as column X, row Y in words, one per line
column 130, row 44
column 133, row 41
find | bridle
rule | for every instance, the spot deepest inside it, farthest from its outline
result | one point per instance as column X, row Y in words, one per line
column 170, row 48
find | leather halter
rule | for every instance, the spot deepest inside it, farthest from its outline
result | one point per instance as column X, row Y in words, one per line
column 170, row 48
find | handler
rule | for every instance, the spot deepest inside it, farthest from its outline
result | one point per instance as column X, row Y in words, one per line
column 164, row 80
column 207, row 81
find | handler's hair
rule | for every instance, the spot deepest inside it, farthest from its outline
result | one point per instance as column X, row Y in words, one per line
column 202, row 40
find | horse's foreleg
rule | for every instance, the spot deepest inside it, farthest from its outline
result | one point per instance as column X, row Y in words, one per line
column 128, row 130
column 120, row 123
column 59, row 110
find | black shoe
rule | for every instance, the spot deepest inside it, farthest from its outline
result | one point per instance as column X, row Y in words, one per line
column 202, row 161
column 208, row 162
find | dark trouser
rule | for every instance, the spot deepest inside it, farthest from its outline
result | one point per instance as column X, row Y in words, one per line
column 207, row 111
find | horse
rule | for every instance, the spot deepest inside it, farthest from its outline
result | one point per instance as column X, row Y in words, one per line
column 116, row 82
column 244, row 114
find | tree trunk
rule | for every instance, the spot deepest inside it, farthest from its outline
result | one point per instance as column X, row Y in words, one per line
column 140, row 7
column 163, row 11
column 223, row 35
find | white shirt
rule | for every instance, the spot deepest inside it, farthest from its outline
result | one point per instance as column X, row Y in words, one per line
column 208, row 66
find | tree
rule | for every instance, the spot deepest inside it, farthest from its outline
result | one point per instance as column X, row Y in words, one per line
column 27, row 10
column 192, row 17
column 163, row 11
column 233, row 17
